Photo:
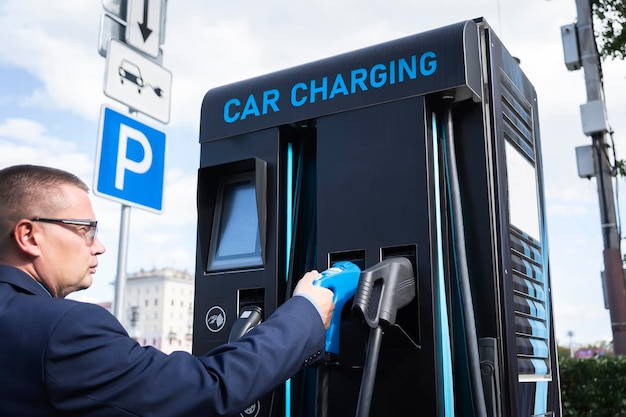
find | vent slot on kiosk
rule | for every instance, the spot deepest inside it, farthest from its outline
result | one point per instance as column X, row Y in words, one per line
column 250, row 297
column 235, row 212
column 357, row 257
column 405, row 251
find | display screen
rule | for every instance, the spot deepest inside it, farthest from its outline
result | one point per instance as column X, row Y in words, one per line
column 235, row 240
column 523, row 203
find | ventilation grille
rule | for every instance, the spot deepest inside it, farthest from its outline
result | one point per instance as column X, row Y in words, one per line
column 529, row 280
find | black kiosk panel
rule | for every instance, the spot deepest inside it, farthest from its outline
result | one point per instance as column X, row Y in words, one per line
column 236, row 218
column 375, row 195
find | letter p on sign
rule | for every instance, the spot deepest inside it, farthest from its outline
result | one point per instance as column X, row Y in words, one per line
column 130, row 161
column 124, row 163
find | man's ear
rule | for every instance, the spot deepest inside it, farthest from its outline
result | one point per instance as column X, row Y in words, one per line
column 26, row 237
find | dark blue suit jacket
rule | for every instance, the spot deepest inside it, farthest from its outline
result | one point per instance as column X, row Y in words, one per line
column 66, row 358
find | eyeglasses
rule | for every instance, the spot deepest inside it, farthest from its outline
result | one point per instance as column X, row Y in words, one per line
column 92, row 224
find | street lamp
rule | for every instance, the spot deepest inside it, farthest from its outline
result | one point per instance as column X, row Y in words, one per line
column 570, row 334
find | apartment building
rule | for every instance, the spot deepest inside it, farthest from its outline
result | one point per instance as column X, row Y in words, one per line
column 159, row 308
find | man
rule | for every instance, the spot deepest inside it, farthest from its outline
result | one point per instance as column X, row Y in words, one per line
column 61, row 357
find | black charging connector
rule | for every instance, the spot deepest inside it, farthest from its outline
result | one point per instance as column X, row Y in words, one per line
column 249, row 317
column 382, row 290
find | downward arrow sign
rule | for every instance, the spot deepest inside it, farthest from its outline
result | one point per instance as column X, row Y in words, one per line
column 143, row 26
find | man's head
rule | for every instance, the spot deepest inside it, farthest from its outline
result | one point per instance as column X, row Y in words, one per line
column 47, row 227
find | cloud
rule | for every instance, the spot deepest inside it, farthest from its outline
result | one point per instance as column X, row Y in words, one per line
column 49, row 41
column 26, row 141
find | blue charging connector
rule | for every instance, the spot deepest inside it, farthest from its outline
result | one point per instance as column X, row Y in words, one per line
column 342, row 279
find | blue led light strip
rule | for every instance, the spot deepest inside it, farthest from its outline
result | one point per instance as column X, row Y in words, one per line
column 289, row 228
column 443, row 328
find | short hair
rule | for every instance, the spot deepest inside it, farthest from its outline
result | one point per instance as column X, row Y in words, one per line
column 30, row 190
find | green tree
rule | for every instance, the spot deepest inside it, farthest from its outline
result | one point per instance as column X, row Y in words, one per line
column 609, row 22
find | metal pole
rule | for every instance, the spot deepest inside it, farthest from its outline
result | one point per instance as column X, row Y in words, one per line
column 614, row 273
column 120, row 279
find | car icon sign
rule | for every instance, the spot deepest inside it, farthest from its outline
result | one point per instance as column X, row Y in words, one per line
column 130, row 72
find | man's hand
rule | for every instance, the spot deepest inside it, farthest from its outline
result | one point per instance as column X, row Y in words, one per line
column 320, row 296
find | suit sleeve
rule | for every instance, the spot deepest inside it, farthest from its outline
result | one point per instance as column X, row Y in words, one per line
column 91, row 366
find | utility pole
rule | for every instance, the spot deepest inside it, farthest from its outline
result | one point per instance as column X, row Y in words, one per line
column 593, row 115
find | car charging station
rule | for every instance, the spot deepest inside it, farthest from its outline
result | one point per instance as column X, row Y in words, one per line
column 410, row 172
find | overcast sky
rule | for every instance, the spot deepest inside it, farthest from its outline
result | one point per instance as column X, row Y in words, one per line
column 51, row 93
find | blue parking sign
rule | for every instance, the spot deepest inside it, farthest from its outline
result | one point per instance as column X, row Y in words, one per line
column 130, row 161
